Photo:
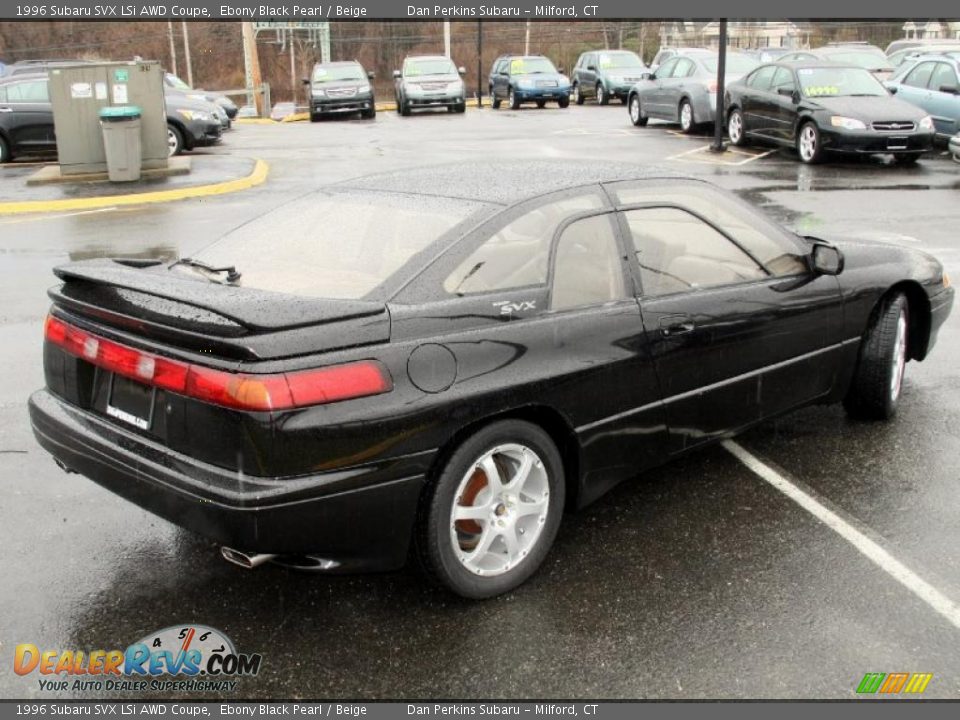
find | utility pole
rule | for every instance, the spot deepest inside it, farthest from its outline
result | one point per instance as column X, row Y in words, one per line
column 173, row 48
column 186, row 52
column 293, row 71
column 446, row 38
column 251, row 64
column 526, row 40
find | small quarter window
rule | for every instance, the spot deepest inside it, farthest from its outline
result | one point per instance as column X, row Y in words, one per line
column 587, row 267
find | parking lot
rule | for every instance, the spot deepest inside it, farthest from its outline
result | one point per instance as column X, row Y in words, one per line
column 698, row 580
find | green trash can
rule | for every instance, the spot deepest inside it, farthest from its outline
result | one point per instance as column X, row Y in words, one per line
column 121, row 142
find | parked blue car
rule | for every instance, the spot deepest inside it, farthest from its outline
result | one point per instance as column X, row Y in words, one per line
column 932, row 82
column 527, row 78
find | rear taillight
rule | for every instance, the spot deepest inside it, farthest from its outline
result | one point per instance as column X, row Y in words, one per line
column 241, row 391
column 712, row 86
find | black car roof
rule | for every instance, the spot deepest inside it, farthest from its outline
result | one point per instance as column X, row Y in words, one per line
column 507, row 182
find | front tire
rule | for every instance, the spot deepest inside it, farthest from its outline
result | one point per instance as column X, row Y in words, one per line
column 877, row 382
column 578, row 97
column 492, row 513
column 541, row 104
column 513, row 100
column 808, row 144
column 687, row 122
column 174, row 140
column 369, row 114
column 494, row 100
column 602, row 97
column 636, row 114
column 404, row 108
column 735, row 130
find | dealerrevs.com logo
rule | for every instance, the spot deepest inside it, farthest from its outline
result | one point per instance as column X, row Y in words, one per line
column 180, row 658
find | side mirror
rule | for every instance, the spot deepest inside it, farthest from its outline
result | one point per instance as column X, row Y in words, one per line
column 951, row 89
column 592, row 68
column 462, row 70
column 503, row 73
column 785, row 91
column 370, row 75
column 396, row 74
column 827, row 260
column 892, row 89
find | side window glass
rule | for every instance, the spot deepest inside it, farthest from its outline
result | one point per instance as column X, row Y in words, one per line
column 678, row 252
column 777, row 250
column 920, row 75
column 666, row 69
column 783, row 78
column 35, row 91
column 760, row 80
column 942, row 76
column 518, row 255
column 587, row 268
column 682, row 68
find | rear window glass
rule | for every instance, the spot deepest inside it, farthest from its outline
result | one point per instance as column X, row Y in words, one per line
column 336, row 245
column 741, row 64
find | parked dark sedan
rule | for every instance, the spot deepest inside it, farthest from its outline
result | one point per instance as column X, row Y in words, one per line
column 825, row 107
column 26, row 119
column 410, row 365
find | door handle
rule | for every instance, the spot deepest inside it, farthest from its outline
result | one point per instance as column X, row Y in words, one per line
column 6, row 109
column 676, row 325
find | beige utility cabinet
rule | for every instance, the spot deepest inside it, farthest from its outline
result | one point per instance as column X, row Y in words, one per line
column 79, row 92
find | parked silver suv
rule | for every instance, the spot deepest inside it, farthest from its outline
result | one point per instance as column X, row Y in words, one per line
column 429, row 81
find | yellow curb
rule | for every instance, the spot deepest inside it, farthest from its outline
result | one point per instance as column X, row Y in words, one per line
column 253, row 121
column 259, row 174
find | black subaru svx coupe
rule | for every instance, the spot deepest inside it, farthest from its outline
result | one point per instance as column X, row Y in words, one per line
column 444, row 360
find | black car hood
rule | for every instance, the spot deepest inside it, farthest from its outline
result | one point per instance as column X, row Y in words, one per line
column 869, row 109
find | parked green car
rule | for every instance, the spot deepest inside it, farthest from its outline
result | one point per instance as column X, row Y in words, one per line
column 606, row 74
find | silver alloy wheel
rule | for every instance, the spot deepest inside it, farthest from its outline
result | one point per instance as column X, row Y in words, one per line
column 173, row 142
column 735, row 127
column 635, row 109
column 576, row 94
column 686, row 116
column 899, row 359
column 807, row 146
column 511, row 99
column 600, row 93
column 500, row 510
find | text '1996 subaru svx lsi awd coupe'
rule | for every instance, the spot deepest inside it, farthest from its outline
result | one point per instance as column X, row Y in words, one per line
column 445, row 360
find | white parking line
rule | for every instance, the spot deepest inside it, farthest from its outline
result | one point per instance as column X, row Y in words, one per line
column 719, row 159
column 940, row 603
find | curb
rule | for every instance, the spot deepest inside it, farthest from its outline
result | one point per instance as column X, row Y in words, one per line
column 256, row 177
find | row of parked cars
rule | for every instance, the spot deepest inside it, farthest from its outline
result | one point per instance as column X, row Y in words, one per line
column 842, row 98
column 195, row 118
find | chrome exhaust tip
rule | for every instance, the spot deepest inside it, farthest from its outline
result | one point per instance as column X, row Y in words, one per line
column 248, row 561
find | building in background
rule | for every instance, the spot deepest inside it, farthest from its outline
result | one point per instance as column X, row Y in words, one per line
column 741, row 34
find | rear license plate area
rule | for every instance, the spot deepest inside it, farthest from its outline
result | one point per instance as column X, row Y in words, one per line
column 130, row 402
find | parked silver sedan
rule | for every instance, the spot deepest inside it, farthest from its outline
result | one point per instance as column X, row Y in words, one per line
column 684, row 88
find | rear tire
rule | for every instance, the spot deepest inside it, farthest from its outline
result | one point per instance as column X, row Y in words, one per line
column 636, row 113
column 875, row 389
column 489, row 517
column 578, row 97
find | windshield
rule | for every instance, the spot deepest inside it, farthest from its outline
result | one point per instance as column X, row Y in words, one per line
column 333, row 73
column 175, row 82
column 531, row 66
column 868, row 60
column 736, row 64
column 335, row 245
column 434, row 66
column 611, row 61
column 838, row 82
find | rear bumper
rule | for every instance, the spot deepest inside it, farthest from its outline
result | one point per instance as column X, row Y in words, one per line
column 361, row 517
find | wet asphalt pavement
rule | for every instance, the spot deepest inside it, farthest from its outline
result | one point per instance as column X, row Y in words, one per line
column 699, row 580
